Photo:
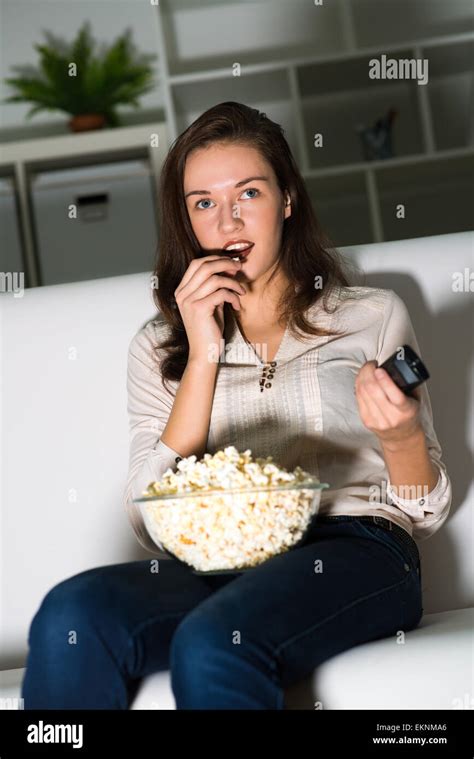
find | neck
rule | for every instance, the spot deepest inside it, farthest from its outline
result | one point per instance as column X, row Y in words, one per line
column 260, row 302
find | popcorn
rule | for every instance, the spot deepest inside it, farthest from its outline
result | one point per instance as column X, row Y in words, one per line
column 229, row 530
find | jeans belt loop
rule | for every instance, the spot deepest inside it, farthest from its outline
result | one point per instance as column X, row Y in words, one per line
column 386, row 523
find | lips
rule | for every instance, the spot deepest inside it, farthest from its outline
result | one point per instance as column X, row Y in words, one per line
column 243, row 249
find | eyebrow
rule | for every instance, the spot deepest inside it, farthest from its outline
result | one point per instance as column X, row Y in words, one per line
column 239, row 184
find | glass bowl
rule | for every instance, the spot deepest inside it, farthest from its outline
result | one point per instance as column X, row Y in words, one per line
column 231, row 530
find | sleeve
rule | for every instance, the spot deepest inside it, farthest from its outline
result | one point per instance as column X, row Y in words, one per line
column 428, row 513
column 149, row 406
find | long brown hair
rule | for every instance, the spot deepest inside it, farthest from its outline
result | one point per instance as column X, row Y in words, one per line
column 303, row 254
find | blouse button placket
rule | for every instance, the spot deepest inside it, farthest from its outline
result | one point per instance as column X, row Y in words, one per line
column 270, row 366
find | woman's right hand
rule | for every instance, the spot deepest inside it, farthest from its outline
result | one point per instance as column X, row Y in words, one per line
column 200, row 297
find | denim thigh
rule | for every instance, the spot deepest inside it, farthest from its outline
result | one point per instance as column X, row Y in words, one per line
column 342, row 587
column 123, row 617
column 346, row 584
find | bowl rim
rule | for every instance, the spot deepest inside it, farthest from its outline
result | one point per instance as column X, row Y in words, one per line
column 308, row 485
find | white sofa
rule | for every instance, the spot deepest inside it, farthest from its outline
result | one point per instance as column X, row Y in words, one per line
column 65, row 458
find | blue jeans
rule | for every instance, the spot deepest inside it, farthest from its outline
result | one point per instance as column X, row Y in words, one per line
column 231, row 641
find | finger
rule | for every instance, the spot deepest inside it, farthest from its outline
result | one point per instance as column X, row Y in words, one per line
column 390, row 388
column 370, row 415
column 375, row 388
column 220, row 296
column 213, row 283
column 193, row 279
column 375, row 407
column 195, row 264
column 363, row 408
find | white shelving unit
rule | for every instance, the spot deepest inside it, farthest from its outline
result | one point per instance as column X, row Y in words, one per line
column 313, row 79
column 307, row 67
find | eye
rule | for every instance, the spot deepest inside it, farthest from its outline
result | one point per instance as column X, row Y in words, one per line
column 207, row 200
column 252, row 189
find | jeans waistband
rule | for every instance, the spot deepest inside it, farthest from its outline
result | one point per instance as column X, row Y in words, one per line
column 386, row 524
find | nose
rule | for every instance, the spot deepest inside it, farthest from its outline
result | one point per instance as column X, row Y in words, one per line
column 229, row 218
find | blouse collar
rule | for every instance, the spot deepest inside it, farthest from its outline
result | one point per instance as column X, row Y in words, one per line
column 237, row 351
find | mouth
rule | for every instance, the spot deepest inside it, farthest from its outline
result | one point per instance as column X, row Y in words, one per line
column 238, row 250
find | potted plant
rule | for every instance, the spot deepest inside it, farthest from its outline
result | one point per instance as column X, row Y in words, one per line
column 71, row 78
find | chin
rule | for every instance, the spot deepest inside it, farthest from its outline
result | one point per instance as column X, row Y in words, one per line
column 245, row 277
column 253, row 273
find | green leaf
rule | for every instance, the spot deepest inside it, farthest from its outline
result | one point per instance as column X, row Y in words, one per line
column 116, row 75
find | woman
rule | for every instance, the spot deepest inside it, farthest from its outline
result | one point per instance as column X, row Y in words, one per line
column 276, row 353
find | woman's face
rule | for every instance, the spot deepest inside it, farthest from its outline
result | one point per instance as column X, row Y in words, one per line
column 226, row 202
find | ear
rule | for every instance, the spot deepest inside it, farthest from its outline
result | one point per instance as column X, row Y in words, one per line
column 287, row 205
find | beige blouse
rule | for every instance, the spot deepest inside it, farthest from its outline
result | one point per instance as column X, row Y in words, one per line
column 302, row 410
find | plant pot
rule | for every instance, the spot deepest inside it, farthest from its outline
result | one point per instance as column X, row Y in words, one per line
column 85, row 122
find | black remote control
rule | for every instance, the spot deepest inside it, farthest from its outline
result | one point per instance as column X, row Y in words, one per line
column 408, row 371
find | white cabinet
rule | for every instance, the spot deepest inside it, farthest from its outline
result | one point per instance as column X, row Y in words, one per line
column 112, row 179
column 94, row 221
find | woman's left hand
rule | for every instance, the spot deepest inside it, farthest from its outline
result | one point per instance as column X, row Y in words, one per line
column 385, row 409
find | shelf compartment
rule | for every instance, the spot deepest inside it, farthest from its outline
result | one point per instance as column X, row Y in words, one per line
column 337, row 118
column 246, row 32
column 269, row 92
column 342, row 76
column 406, row 20
column 438, row 197
column 451, row 93
column 342, row 207
column 337, row 97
